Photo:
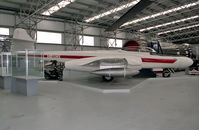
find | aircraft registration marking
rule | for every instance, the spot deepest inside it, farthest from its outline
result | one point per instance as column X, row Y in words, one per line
column 66, row 56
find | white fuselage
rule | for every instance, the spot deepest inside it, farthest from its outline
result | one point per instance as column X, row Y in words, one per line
column 75, row 60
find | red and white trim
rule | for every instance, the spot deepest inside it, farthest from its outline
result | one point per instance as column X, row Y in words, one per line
column 153, row 60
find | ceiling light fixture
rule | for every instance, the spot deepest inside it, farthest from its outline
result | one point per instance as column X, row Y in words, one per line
column 169, row 23
column 179, row 29
column 57, row 7
column 162, row 13
column 112, row 11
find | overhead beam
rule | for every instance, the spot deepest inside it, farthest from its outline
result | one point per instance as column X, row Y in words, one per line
column 100, row 7
column 130, row 14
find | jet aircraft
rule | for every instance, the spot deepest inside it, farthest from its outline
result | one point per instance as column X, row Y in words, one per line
column 117, row 63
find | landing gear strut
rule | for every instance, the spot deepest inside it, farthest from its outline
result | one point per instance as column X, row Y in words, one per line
column 107, row 78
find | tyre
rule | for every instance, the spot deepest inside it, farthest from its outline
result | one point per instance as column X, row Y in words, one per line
column 107, row 78
column 60, row 78
column 166, row 73
column 46, row 76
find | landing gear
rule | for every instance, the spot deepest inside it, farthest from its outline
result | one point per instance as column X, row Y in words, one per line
column 46, row 75
column 54, row 70
column 107, row 78
column 166, row 73
column 60, row 76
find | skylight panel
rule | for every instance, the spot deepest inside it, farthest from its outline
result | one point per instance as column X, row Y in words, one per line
column 179, row 29
column 162, row 13
column 169, row 23
column 112, row 11
column 57, row 7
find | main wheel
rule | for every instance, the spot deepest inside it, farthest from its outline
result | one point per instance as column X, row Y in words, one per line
column 166, row 73
column 107, row 78
column 60, row 76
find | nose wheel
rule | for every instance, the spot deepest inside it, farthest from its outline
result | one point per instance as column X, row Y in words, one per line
column 107, row 78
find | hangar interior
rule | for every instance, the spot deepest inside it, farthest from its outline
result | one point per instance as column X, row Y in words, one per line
column 83, row 100
column 70, row 21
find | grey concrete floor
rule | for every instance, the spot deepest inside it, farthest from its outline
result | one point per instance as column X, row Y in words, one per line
column 154, row 104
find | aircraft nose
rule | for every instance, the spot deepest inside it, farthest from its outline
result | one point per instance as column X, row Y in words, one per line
column 189, row 62
column 185, row 62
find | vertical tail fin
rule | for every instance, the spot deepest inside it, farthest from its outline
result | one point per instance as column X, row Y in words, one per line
column 21, row 40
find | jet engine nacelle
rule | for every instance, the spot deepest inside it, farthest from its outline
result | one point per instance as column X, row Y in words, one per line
column 116, row 72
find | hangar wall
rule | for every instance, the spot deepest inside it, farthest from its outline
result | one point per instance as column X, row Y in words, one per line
column 67, row 30
column 7, row 20
column 196, row 48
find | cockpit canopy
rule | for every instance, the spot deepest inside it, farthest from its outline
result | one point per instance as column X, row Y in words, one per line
column 140, row 49
column 135, row 47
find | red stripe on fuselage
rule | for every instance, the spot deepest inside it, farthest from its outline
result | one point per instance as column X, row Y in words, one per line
column 74, row 57
column 59, row 56
column 152, row 60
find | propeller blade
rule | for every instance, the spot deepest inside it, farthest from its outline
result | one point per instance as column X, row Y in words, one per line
column 130, row 14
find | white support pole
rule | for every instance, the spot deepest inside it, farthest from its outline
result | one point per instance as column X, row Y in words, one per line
column 1, row 64
column 26, row 51
column 7, row 64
